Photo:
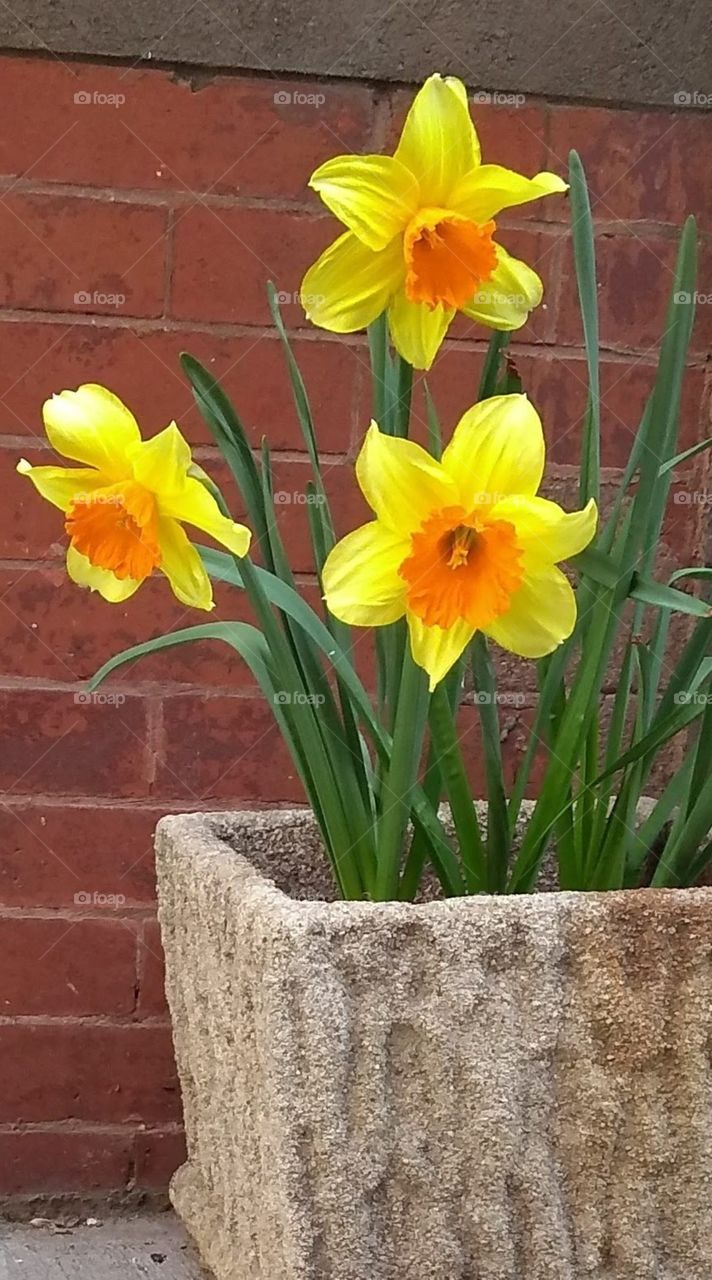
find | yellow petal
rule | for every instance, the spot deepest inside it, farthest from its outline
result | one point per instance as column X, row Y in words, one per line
column 374, row 196
column 484, row 191
column 401, row 483
column 545, row 532
column 61, row 485
column 92, row 425
column 506, row 299
column 541, row 615
column 435, row 649
column 350, row 285
column 497, row 449
column 438, row 143
column 183, row 567
column 85, row 574
column 416, row 330
column 161, row 463
column 193, row 504
column 362, row 585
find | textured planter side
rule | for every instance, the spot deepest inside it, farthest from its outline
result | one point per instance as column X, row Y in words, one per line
column 512, row 1088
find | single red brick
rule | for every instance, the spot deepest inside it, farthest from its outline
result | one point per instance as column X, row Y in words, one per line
column 143, row 369
column 72, row 254
column 686, row 525
column 30, row 528
column 151, row 971
column 227, row 749
column 254, row 374
column 639, row 164
column 49, row 742
column 224, row 258
column 291, row 476
column 558, row 388
column 37, row 1162
column 635, row 282
column 510, row 135
column 513, row 136
column 113, row 127
column 347, row 506
column 158, row 1153
column 69, row 966
column 513, row 713
column 56, row 631
column 87, row 1071
column 52, row 852
column 453, row 383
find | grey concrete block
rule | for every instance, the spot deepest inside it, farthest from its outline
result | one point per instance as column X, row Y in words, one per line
column 640, row 51
column 496, row 1088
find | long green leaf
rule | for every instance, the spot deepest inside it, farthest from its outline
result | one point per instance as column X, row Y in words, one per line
column 585, row 264
column 224, row 568
column 498, row 830
column 229, row 434
column 464, row 815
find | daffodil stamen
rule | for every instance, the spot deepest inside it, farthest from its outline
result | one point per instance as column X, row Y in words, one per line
column 459, row 546
column 116, row 529
column 448, row 258
column 461, row 569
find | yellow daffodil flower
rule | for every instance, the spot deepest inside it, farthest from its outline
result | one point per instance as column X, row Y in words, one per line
column 420, row 239
column 461, row 545
column 122, row 510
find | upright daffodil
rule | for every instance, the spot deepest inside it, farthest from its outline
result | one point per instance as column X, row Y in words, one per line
column 122, row 509
column 461, row 545
column 420, row 239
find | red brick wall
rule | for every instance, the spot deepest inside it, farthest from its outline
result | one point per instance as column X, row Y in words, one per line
column 183, row 199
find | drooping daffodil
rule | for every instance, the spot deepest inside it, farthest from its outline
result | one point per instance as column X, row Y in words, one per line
column 124, row 508
column 420, row 233
column 461, row 545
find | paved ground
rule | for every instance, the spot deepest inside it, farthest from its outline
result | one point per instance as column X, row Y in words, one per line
column 153, row 1246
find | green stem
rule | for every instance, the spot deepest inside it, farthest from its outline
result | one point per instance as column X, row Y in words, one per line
column 343, row 848
column 464, row 816
column 398, row 782
column 403, row 394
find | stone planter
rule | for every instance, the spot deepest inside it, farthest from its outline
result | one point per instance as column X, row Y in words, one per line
column 512, row 1088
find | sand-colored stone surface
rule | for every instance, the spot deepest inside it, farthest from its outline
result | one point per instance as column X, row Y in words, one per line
column 512, row 1088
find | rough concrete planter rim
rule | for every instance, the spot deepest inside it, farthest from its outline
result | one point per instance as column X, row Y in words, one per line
column 491, row 1088
column 219, row 825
